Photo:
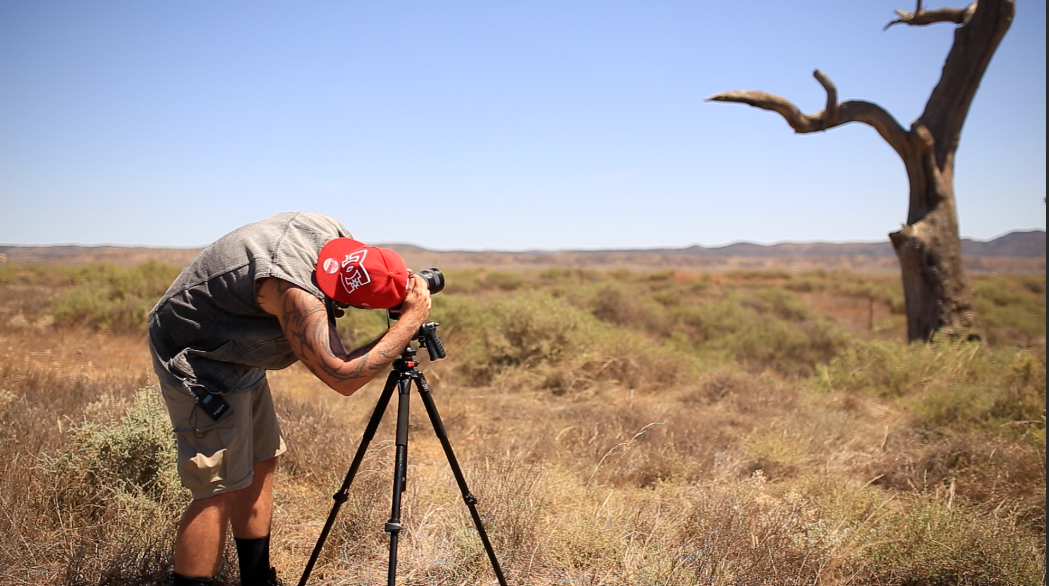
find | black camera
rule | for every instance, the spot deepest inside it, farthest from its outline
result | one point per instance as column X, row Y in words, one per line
column 434, row 279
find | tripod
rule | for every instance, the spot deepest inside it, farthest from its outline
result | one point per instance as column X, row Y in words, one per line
column 400, row 378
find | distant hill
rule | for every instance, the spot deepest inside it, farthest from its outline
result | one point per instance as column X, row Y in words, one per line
column 70, row 255
column 1016, row 252
column 1027, row 244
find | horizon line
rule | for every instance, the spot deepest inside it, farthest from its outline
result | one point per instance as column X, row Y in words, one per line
column 534, row 250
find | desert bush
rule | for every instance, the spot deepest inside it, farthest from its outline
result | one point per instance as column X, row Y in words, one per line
column 624, row 306
column 513, row 500
column 568, row 276
column 761, row 277
column 128, row 461
column 358, row 532
column 107, row 297
column 768, row 328
column 745, row 533
column 816, row 280
column 1012, row 308
column 882, row 288
column 991, row 473
column 46, row 276
column 631, row 359
column 938, row 542
column 552, row 343
column 755, row 533
column 25, row 295
column 462, row 281
column 956, row 385
column 483, row 281
column 105, row 502
column 524, row 331
column 976, row 420
column 505, row 281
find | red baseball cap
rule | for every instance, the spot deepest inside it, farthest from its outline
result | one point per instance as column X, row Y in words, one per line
column 356, row 274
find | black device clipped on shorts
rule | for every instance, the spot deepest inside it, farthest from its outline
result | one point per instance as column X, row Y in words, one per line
column 211, row 404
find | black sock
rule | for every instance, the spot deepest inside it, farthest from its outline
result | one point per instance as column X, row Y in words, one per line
column 181, row 580
column 254, row 558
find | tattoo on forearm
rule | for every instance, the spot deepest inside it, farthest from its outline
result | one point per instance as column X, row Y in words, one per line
column 305, row 323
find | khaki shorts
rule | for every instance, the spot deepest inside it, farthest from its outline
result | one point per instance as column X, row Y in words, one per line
column 217, row 456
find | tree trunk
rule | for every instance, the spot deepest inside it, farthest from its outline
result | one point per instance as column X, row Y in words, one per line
column 938, row 296
column 936, row 290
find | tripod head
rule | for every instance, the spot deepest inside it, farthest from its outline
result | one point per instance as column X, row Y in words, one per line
column 427, row 338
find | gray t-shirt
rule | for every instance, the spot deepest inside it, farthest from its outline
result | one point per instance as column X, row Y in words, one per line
column 209, row 330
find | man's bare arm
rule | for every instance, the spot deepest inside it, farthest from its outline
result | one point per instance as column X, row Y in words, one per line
column 305, row 323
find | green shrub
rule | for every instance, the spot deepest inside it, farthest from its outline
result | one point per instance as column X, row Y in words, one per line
column 505, row 281
column 462, row 282
column 33, row 275
column 560, row 347
column 474, row 281
column 625, row 306
column 883, row 288
column 769, row 328
column 957, row 385
column 108, row 297
column 1012, row 308
column 634, row 319
column 569, row 276
column 133, row 455
column 938, row 542
column 526, row 331
column 888, row 369
column 118, row 472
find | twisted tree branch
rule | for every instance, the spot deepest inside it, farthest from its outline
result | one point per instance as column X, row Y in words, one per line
column 921, row 17
column 834, row 114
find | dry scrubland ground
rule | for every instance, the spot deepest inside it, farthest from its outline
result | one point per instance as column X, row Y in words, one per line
column 622, row 428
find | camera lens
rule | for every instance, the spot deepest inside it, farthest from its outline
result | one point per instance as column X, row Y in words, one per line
column 434, row 279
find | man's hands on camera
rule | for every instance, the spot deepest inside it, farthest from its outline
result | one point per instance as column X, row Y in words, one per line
column 417, row 303
column 304, row 320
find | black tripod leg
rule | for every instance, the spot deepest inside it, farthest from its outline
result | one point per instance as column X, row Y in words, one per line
column 400, row 475
column 471, row 500
column 341, row 496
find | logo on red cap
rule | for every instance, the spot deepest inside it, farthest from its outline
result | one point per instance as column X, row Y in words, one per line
column 351, row 272
column 331, row 266
column 354, row 274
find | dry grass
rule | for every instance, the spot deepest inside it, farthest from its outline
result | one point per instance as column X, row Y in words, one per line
column 601, row 466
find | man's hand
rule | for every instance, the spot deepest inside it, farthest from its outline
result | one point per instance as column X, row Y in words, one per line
column 304, row 321
column 417, row 303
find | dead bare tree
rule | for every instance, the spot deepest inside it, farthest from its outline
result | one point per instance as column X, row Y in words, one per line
column 939, row 298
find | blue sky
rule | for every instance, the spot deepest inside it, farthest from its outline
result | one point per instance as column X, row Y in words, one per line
column 511, row 125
